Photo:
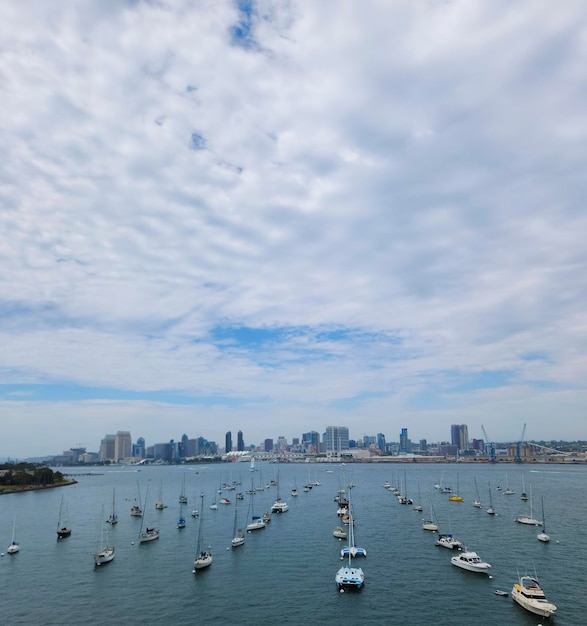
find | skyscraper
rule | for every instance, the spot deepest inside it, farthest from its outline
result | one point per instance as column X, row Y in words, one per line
column 240, row 442
column 122, row 445
column 336, row 438
column 459, row 436
column 404, row 442
column 107, row 448
column 228, row 442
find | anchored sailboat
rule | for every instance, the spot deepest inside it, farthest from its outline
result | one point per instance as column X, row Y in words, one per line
column 113, row 519
column 150, row 534
column 203, row 557
column 14, row 546
column 63, row 530
column 104, row 553
column 238, row 535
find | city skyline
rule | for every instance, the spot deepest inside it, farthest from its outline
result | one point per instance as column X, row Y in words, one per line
column 248, row 216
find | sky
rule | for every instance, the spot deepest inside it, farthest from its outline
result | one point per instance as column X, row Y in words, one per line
column 278, row 216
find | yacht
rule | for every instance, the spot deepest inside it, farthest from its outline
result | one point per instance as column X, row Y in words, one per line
column 105, row 555
column 257, row 523
column 150, row 534
column 279, row 506
column 528, row 594
column 339, row 533
column 446, row 540
column 471, row 562
column 530, row 521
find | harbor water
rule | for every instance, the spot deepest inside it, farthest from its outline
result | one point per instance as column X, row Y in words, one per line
column 284, row 574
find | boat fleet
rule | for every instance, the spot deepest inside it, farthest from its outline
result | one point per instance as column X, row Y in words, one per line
column 527, row 591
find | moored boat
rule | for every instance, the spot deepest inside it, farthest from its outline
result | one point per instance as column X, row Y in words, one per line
column 471, row 562
column 529, row 595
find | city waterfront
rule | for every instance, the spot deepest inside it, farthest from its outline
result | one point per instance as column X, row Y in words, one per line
column 286, row 573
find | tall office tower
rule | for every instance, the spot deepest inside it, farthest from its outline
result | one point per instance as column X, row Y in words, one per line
column 122, row 445
column 336, row 438
column 423, row 445
column 240, row 442
column 455, row 435
column 107, row 448
column 228, row 442
column 141, row 448
column 381, row 442
column 268, row 445
column 311, row 438
column 404, row 444
column 281, row 442
column 459, row 436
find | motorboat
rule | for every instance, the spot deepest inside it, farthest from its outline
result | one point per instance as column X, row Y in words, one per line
column 279, row 506
column 339, row 533
column 529, row 595
column 500, row 592
column 224, row 501
column 446, row 540
column 257, row 523
column 471, row 562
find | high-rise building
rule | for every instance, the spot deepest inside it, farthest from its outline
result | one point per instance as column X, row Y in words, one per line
column 139, row 449
column 228, row 442
column 281, row 442
column 381, row 442
column 459, row 436
column 336, row 438
column 122, row 445
column 268, row 445
column 240, row 442
column 107, row 446
column 404, row 442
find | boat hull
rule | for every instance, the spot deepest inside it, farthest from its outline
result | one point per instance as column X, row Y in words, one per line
column 350, row 579
column 104, row 556
column 538, row 607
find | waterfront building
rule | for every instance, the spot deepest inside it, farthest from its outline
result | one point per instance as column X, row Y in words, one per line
column 268, row 445
column 240, row 442
column 107, row 448
column 405, row 445
column 122, row 446
column 459, row 436
column 228, row 442
column 336, row 438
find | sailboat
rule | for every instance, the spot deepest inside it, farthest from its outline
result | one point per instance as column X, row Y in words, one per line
column 104, row 553
column 183, row 499
column 150, row 534
column 113, row 519
column 257, row 523
column 14, row 546
column 455, row 497
column 349, row 578
column 63, row 530
column 136, row 510
column 530, row 521
column 238, row 536
column 430, row 524
column 294, row 491
column 351, row 549
column 279, row 506
column 159, row 504
column 542, row 536
column 490, row 509
column 203, row 557
column 508, row 491
column 418, row 507
column 477, row 503
column 523, row 495
column 252, row 467
column 181, row 520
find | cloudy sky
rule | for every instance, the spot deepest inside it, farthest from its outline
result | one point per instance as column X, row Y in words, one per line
column 277, row 216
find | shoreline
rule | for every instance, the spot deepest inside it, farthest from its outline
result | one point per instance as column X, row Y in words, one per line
column 4, row 490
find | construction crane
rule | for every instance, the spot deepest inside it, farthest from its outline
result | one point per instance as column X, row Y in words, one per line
column 518, row 458
column 489, row 445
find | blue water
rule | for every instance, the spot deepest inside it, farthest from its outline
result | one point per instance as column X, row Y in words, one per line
column 285, row 573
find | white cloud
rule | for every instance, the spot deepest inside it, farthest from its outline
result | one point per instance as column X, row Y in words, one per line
column 409, row 169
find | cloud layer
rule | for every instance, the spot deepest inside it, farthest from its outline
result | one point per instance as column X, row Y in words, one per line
column 274, row 216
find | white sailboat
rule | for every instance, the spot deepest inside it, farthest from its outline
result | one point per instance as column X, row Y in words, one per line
column 477, row 503
column 430, row 524
column 203, row 556
column 542, row 536
column 113, row 518
column 238, row 535
column 149, row 534
column 279, row 506
column 257, row 522
column 181, row 520
column 252, row 467
column 104, row 553
column 14, row 546
column 528, row 520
